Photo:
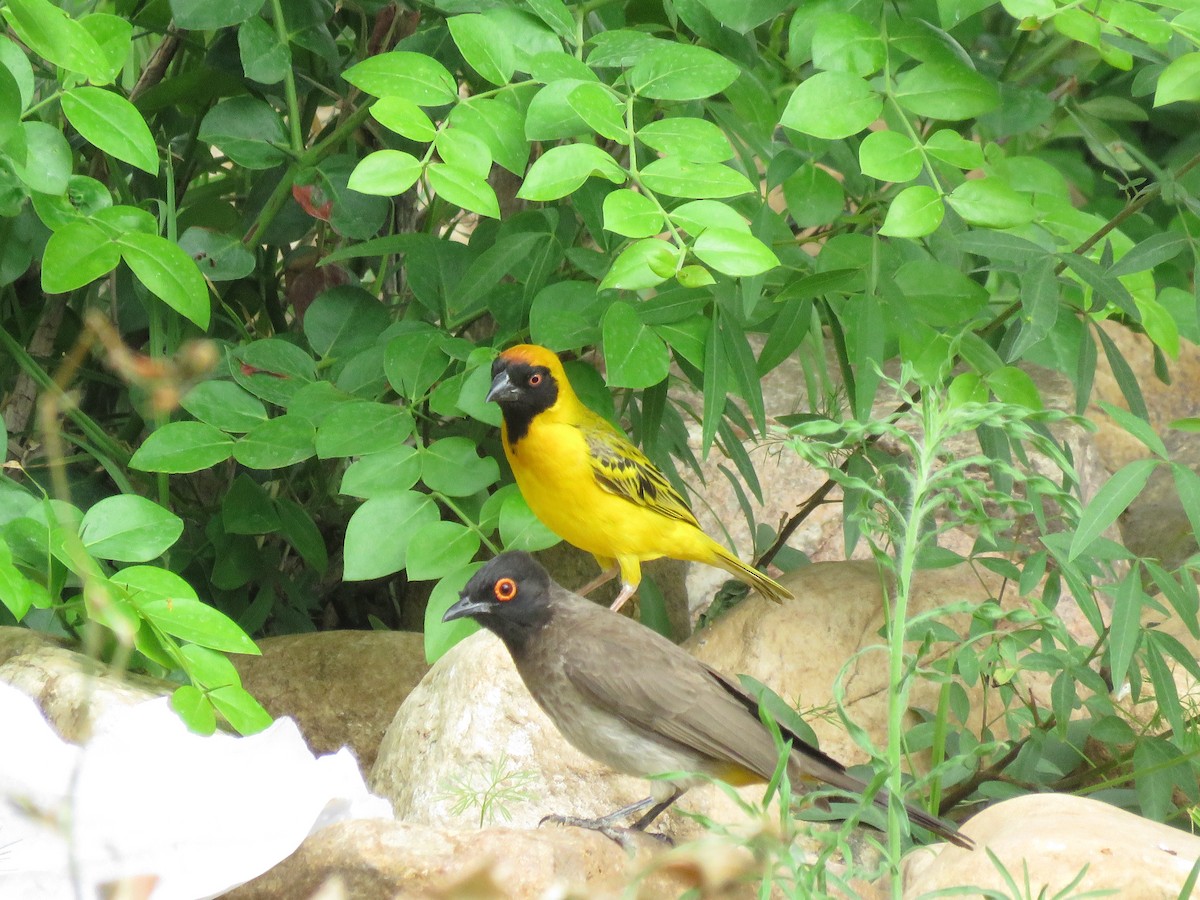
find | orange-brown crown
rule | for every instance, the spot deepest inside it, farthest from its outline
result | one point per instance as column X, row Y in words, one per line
column 535, row 355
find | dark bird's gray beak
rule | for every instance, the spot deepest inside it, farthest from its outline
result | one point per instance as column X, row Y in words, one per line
column 463, row 608
column 502, row 390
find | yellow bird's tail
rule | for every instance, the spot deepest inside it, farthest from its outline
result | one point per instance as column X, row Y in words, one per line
column 769, row 588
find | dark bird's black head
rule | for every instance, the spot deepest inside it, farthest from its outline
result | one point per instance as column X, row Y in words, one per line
column 525, row 381
column 509, row 596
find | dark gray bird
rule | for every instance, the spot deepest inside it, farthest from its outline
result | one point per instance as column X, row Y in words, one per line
column 626, row 696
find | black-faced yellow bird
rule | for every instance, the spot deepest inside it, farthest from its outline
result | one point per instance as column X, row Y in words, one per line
column 591, row 486
column 626, row 696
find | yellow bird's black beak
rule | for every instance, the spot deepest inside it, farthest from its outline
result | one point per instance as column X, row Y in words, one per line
column 502, row 389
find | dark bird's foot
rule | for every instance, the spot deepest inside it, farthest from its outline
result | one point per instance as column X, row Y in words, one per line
column 619, row 834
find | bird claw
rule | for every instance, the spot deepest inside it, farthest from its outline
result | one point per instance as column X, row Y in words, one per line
column 624, row 837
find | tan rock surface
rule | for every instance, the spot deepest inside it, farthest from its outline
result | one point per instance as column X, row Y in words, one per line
column 799, row 647
column 1052, row 837
column 380, row 859
column 341, row 687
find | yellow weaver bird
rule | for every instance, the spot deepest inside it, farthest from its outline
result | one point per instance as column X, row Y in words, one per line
column 591, row 486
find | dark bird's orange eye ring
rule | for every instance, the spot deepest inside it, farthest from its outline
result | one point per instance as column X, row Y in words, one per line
column 535, row 379
column 505, row 589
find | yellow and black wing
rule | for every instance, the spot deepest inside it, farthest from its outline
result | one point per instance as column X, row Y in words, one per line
column 622, row 469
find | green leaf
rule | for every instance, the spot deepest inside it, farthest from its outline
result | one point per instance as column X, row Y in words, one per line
column 950, row 146
column 272, row 369
column 464, row 189
column 378, row 534
column 520, row 529
column 1150, row 253
column 404, row 117
column 265, row 58
column 245, row 129
column 441, row 636
column 385, row 173
column 1159, row 769
column 181, row 447
column 814, row 197
column 453, row 466
column 361, row 427
column 219, row 256
column 499, row 126
column 17, row 592
column 276, row 443
column 246, row 508
column 169, row 273
column 832, row 105
column 734, row 252
column 460, row 149
column 486, row 49
column 697, row 215
column 129, row 528
column 600, row 110
column 681, row 72
column 635, row 356
column 563, row 170
column 414, row 361
column 77, row 254
column 171, row 603
column 677, row 177
column 414, row 77
column 991, row 202
column 343, row 321
column 847, row 43
column 1110, row 501
column 938, row 90
column 745, row 15
column 1180, row 80
column 889, row 156
column 643, row 264
column 439, row 549
column 1013, row 385
column 632, row 214
column 47, row 30
column 395, row 469
column 193, row 707
column 555, row 14
column 302, row 533
column 696, row 140
column 240, row 709
column 916, row 212
column 207, row 15
column 111, row 123
column 1138, row 428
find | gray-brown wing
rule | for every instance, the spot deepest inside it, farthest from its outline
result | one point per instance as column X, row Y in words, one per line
column 654, row 685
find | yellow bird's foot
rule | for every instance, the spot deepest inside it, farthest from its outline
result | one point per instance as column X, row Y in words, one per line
column 627, row 590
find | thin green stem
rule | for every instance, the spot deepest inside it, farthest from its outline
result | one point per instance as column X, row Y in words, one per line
column 289, row 82
column 307, row 159
column 468, row 521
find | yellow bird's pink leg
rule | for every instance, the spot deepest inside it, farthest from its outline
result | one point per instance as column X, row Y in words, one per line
column 603, row 578
column 627, row 590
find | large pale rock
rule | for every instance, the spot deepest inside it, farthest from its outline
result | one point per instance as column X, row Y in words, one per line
column 380, row 859
column 341, row 687
column 73, row 691
column 1046, row 841
column 470, row 716
column 798, row 647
